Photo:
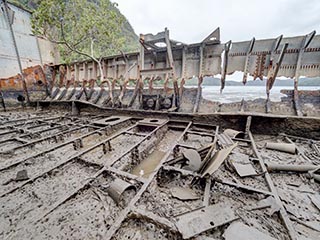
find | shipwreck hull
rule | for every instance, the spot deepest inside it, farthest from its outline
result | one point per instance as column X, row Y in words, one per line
column 155, row 77
column 262, row 123
column 87, row 155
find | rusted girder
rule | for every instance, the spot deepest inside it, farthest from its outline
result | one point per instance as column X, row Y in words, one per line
column 124, row 213
column 246, row 64
column 106, row 167
column 272, row 73
column 170, row 62
column 225, row 64
column 55, row 147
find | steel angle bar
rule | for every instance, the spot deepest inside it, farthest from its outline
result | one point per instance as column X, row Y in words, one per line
column 246, row 66
column 241, row 186
column 215, row 162
column 206, row 196
column 146, row 137
column 304, row 44
column 106, row 167
column 68, row 160
column 80, row 126
column 140, row 213
column 53, row 148
column 225, row 64
column 211, row 150
column 46, row 138
column 283, row 213
column 124, row 213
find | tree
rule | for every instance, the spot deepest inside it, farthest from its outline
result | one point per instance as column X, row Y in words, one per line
column 82, row 28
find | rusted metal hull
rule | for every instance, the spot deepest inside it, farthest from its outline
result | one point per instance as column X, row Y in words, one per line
column 174, row 64
column 142, row 162
column 14, row 91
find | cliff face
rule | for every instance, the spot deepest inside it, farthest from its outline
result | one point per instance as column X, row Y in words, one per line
column 132, row 40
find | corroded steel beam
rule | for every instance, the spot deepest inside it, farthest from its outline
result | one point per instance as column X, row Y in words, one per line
column 155, row 58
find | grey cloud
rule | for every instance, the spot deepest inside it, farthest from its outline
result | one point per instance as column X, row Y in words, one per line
column 190, row 21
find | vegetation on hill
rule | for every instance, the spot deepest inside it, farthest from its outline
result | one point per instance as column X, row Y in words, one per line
column 83, row 29
column 82, row 22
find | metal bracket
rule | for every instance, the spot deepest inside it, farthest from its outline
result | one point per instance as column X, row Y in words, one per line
column 246, row 66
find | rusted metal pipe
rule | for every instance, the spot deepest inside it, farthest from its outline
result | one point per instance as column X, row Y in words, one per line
column 316, row 177
column 283, row 213
column 275, row 167
column 234, row 133
column 282, row 147
column 117, row 188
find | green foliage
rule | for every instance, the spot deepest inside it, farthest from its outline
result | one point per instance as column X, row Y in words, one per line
column 25, row 4
column 83, row 28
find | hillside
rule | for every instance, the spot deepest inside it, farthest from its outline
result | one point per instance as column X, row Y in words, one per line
column 131, row 38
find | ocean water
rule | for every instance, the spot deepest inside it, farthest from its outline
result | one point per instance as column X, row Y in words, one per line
column 237, row 93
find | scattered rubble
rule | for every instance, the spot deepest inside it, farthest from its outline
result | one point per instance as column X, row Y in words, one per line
column 107, row 176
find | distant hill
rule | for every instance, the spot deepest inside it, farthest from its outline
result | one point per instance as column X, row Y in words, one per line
column 209, row 81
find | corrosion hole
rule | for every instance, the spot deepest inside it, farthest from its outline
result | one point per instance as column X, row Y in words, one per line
column 154, row 120
column 160, row 44
column 40, row 82
column 212, row 223
column 21, row 98
column 112, row 119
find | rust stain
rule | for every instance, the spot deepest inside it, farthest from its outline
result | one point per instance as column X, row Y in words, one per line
column 34, row 77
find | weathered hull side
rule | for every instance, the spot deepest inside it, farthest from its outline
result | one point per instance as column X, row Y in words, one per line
column 261, row 123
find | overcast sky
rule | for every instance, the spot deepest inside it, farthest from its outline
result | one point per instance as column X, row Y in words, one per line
column 190, row 21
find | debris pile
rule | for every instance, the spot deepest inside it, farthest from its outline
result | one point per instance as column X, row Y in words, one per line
column 106, row 176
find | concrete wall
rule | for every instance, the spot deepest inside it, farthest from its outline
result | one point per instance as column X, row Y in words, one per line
column 27, row 44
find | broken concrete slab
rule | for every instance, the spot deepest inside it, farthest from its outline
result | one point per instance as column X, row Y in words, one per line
column 239, row 231
column 315, row 199
column 184, row 193
column 22, row 175
column 244, row 170
column 200, row 220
